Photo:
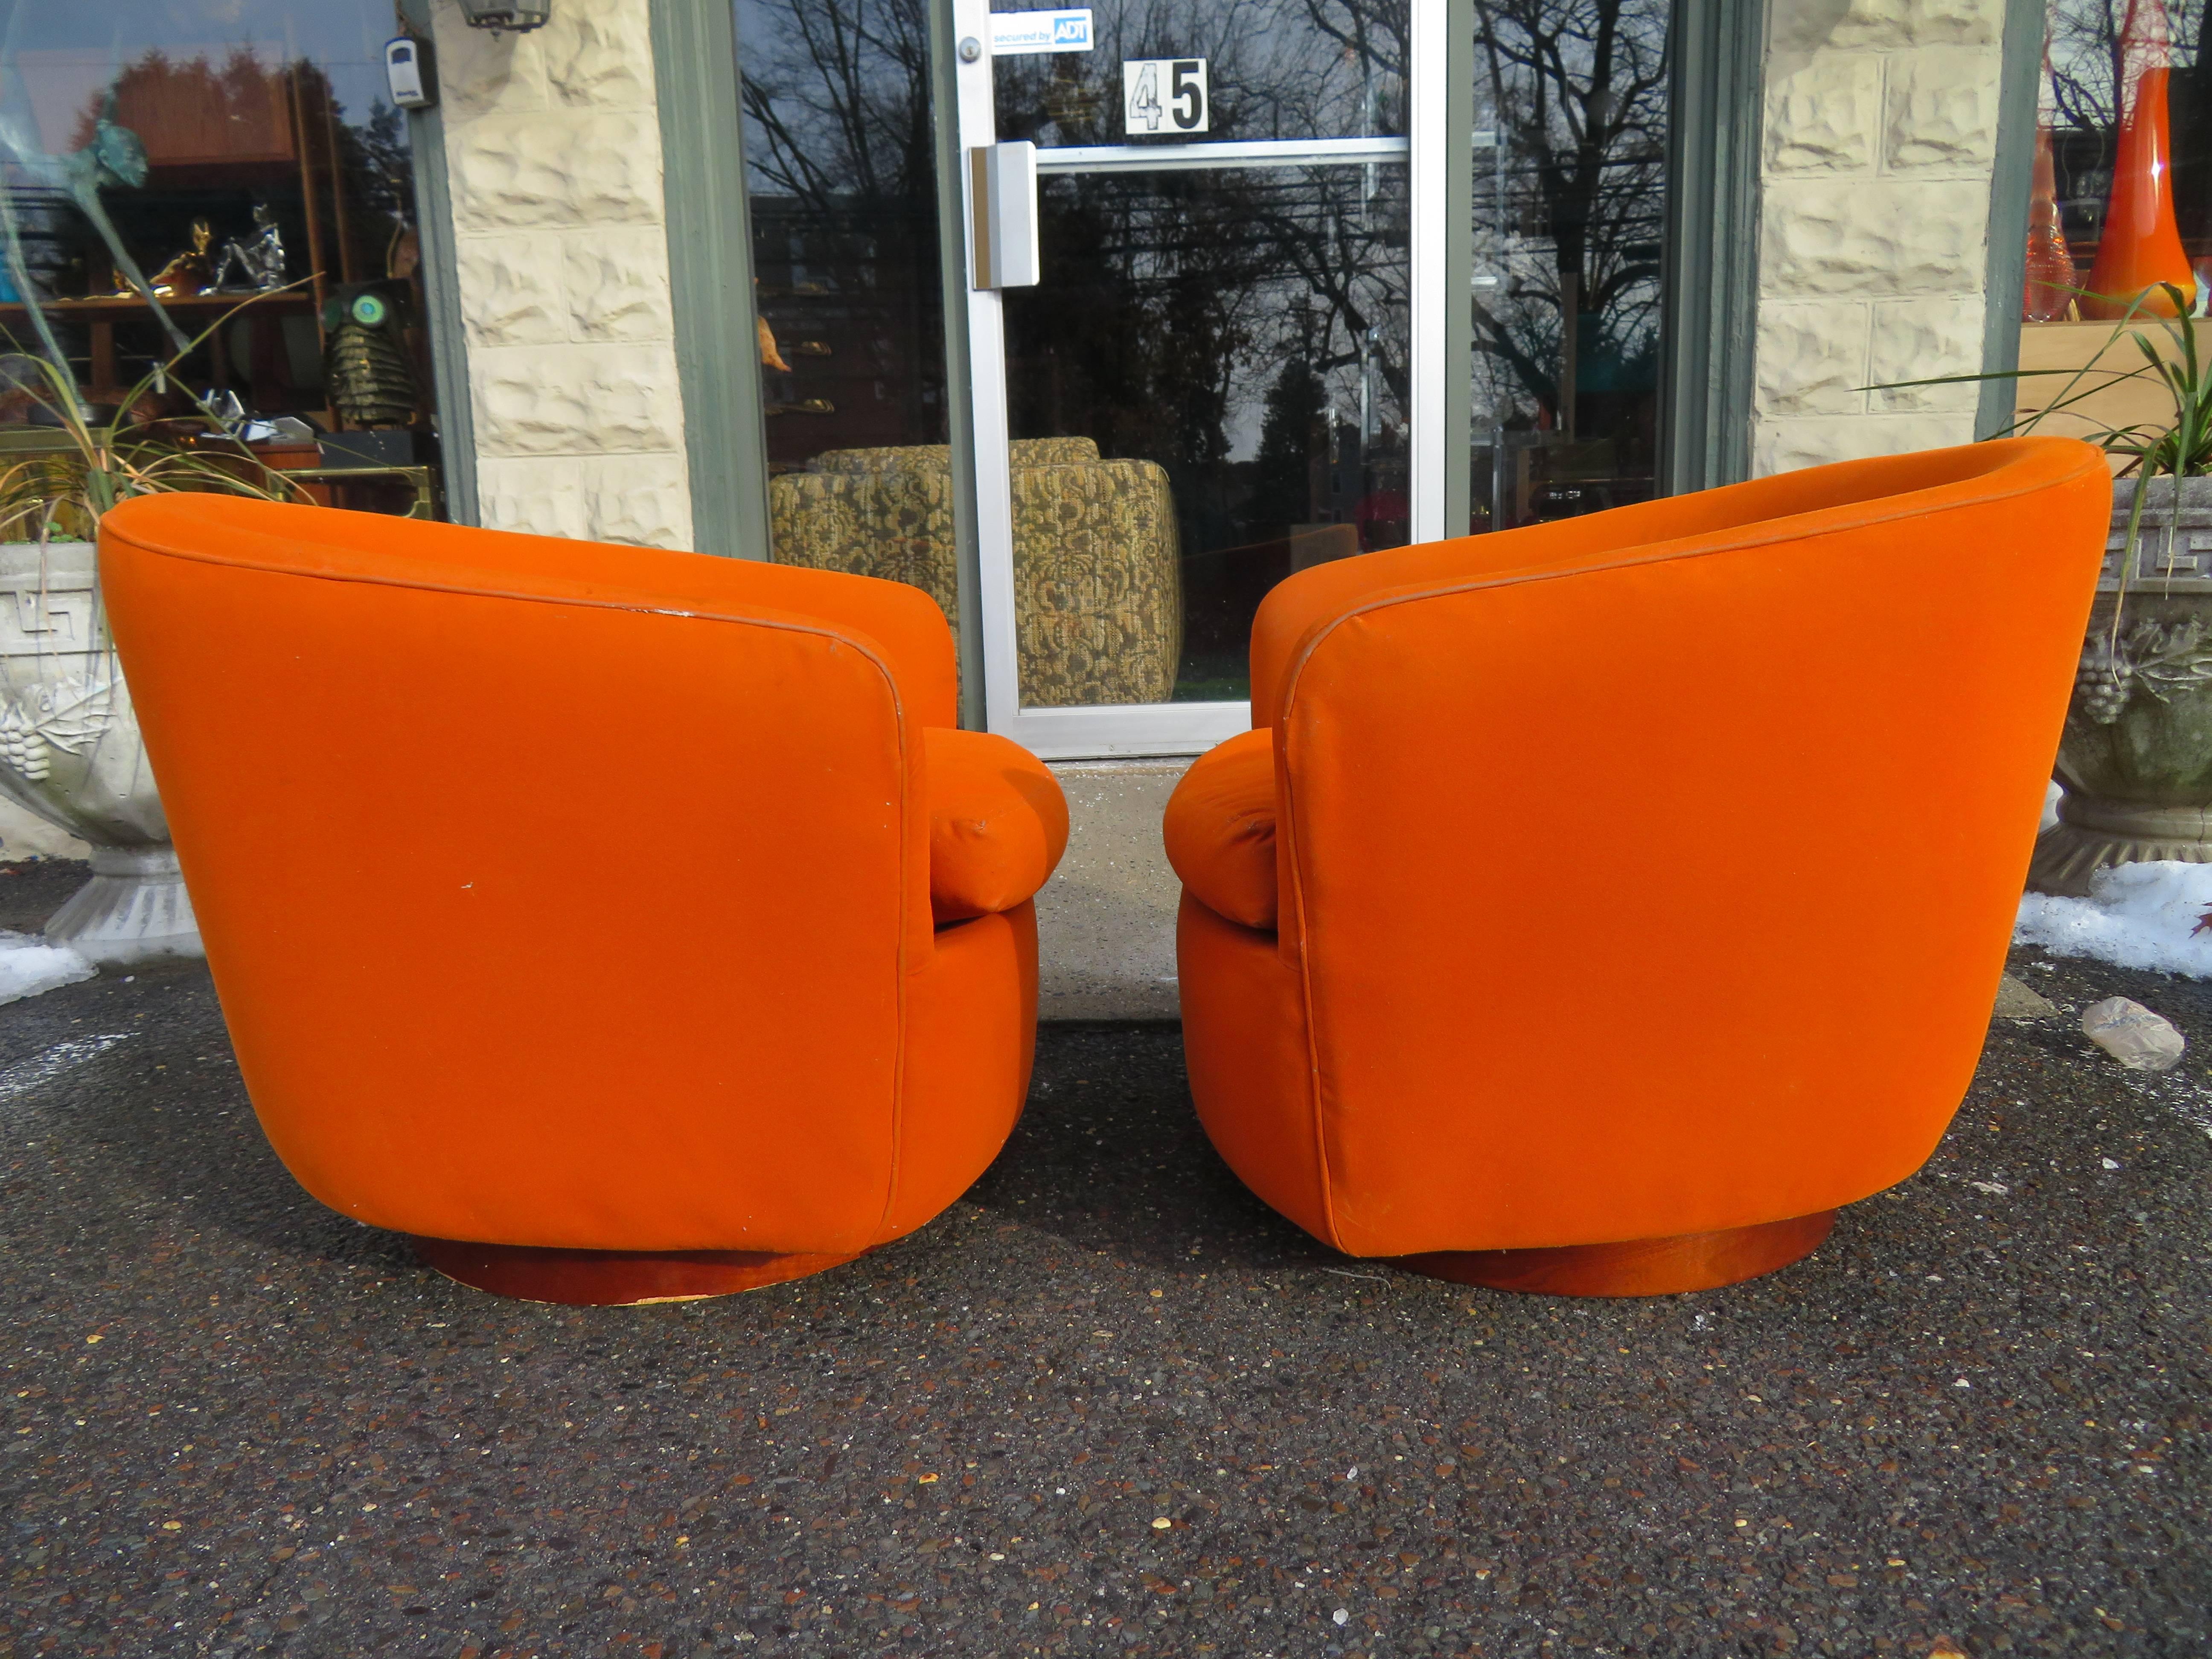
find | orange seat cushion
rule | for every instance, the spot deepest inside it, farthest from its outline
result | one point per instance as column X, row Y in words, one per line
column 1220, row 828
column 998, row 824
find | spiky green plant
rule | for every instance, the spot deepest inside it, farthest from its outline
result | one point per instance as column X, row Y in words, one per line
column 67, row 493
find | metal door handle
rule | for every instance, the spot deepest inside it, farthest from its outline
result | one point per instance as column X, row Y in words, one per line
column 1002, row 181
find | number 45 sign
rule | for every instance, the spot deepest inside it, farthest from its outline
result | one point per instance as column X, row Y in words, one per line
column 1163, row 94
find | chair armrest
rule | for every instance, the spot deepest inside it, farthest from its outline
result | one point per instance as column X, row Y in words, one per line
column 998, row 824
column 1220, row 828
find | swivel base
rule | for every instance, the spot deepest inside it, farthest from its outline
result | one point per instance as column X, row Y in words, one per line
column 611, row 1279
column 1638, row 1267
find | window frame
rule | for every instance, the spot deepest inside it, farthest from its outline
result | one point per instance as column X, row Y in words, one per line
column 441, row 295
column 2011, row 183
column 1716, row 129
column 1715, row 126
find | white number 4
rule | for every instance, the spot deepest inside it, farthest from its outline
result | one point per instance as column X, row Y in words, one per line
column 1164, row 95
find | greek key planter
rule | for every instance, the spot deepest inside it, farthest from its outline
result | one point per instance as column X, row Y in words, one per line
column 2136, row 757
column 70, row 752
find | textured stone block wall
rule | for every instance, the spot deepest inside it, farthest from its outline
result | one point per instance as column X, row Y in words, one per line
column 553, row 148
column 1881, row 138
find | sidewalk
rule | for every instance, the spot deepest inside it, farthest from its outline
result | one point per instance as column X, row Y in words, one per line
column 1108, row 1404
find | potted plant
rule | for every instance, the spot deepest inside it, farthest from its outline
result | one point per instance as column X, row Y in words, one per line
column 70, row 750
column 2136, row 758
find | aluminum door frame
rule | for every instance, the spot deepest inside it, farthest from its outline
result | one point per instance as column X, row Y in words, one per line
column 1440, row 49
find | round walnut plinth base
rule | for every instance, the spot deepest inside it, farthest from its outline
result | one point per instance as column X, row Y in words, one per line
column 1639, row 1266
column 611, row 1279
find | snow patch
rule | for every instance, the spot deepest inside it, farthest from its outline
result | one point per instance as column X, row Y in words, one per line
column 2137, row 916
column 29, row 966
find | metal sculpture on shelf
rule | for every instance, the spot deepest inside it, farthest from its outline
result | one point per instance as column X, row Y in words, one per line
column 188, row 272
column 115, row 156
column 367, row 367
column 259, row 260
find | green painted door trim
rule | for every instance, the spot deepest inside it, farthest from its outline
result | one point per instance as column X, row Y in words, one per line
column 2010, row 182
column 442, row 288
column 710, row 276
column 1711, row 285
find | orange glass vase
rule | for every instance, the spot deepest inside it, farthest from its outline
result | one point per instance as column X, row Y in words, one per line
column 2050, row 292
column 2141, row 246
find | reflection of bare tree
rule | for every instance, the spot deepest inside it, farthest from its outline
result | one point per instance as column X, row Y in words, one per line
column 1246, row 274
column 841, row 166
column 2084, row 52
column 2088, row 83
column 1578, row 90
column 1241, row 272
column 2087, row 52
column 836, row 95
column 1175, row 298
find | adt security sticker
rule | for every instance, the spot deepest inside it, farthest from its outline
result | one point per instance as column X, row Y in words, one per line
column 1015, row 32
column 1164, row 95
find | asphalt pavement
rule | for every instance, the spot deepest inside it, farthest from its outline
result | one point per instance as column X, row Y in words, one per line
column 1108, row 1404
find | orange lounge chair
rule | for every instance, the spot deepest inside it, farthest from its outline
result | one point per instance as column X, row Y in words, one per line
column 1599, row 906
column 625, row 925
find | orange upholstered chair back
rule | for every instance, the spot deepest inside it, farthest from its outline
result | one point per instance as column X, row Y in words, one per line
column 545, row 885
column 1673, row 852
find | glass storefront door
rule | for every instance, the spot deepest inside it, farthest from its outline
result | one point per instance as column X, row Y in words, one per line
column 1210, row 384
column 1208, row 341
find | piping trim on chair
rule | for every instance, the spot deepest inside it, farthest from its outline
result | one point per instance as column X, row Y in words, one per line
column 861, row 643
column 1768, row 533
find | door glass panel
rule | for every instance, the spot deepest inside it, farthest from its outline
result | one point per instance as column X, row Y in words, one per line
column 1570, row 210
column 1273, row 70
column 840, row 179
column 1207, row 389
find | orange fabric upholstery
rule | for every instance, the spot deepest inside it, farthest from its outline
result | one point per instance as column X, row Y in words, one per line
column 1220, row 828
column 570, row 895
column 998, row 824
column 1646, row 874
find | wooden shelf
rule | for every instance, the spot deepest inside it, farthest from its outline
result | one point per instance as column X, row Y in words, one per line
column 2093, row 346
column 100, row 313
column 119, row 305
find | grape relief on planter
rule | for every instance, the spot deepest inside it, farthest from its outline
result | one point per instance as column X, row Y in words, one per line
column 2161, row 658
column 67, row 714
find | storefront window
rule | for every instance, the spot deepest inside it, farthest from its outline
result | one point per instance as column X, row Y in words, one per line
column 2120, row 207
column 841, row 182
column 1570, row 96
column 240, row 159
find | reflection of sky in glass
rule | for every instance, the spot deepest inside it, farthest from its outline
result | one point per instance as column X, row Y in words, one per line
column 2078, row 49
column 55, row 55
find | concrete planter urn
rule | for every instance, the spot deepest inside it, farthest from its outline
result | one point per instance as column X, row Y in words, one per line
column 2136, row 761
column 70, row 752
